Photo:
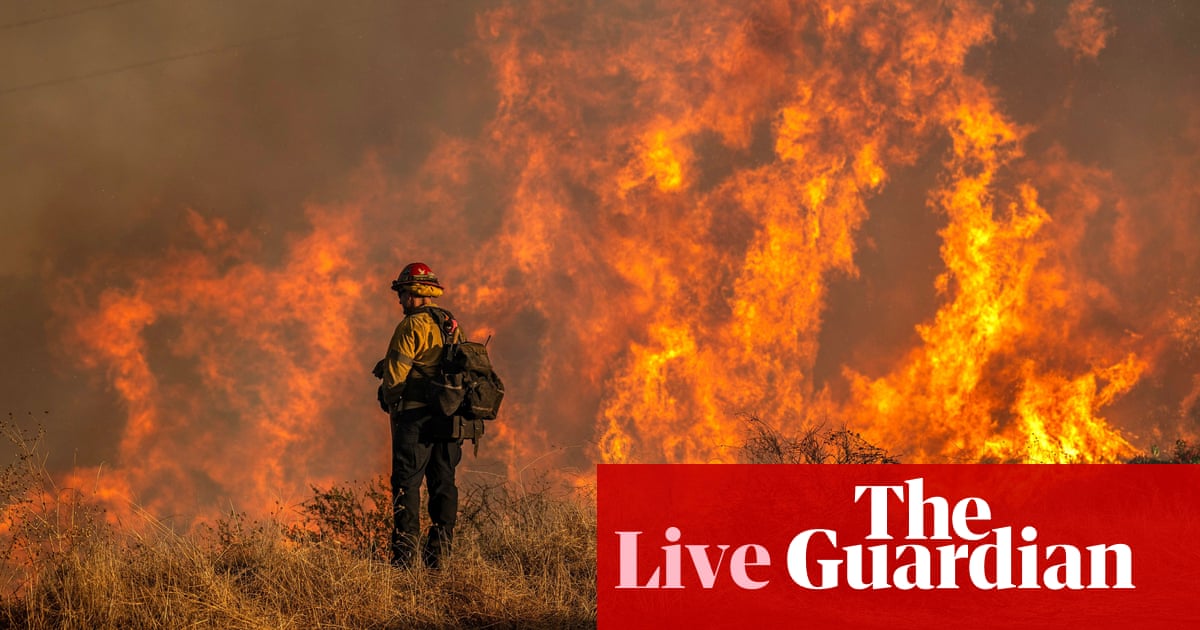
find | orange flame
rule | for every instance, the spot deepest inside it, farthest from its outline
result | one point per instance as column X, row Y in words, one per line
column 651, row 226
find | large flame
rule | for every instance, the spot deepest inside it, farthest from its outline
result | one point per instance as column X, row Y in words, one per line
column 651, row 227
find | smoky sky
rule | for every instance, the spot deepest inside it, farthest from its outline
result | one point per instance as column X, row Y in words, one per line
column 119, row 118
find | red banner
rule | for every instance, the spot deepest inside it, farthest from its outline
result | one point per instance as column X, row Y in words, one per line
column 909, row 546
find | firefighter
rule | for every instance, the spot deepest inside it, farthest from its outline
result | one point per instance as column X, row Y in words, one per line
column 421, row 446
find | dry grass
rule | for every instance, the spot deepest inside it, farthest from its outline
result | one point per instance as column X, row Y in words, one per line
column 523, row 558
column 260, row 581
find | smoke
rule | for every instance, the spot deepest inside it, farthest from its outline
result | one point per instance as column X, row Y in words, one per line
column 665, row 215
column 129, row 125
column 1086, row 30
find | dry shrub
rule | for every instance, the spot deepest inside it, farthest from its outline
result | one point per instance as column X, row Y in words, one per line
column 354, row 516
column 814, row 445
column 1184, row 453
column 39, row 521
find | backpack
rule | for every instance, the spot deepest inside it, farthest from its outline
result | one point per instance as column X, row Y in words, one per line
column 464, row 386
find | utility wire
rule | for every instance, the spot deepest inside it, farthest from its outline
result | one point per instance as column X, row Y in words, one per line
column 59, row 16
column 188, row 55
column 141, row 64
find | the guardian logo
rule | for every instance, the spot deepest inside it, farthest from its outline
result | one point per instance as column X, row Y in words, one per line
column 974, row 555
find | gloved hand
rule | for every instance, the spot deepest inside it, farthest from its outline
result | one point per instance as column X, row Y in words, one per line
column 379, row 368
column 382, row 403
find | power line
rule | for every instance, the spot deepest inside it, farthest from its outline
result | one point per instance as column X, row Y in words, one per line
column 141, row 64
column 59, row 16
column 188, row 55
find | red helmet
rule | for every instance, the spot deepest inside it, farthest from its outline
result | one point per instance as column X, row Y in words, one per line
column 415, row 273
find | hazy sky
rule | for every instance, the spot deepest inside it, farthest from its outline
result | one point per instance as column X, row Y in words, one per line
column 119, row 117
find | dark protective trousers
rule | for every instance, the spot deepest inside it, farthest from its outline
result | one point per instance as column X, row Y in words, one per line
column 418, row 454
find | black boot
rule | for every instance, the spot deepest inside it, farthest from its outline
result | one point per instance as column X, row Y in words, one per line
column 404, row 548
column 437, row 546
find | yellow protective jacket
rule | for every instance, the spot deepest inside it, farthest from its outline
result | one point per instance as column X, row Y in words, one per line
column 414, row 350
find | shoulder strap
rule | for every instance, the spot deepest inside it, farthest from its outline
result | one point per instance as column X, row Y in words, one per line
column 444, row 319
